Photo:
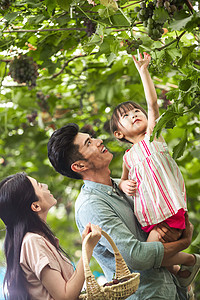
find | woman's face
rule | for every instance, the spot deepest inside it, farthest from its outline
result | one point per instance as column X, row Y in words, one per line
column 46, row 199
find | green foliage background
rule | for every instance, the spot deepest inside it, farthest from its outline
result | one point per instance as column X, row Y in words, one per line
column 82, row 77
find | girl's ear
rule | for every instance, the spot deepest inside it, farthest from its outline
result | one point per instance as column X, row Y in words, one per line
column 79, row 166
column 118, row 134
column 35, row 206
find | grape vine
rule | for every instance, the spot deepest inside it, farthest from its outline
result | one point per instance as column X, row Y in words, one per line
column 146, row 14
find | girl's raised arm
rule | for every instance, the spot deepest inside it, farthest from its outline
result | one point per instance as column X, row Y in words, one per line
column 149, row 89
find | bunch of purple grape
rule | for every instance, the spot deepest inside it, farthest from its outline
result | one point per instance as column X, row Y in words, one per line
column 24, row 70
column 90, row 27
column 146, row 14
column 133, row 45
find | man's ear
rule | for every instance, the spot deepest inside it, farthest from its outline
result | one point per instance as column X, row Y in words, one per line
column 118, row 134
column 35, row 206
column 79, row 166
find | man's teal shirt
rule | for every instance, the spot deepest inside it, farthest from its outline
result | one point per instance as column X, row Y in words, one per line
column 109, row 208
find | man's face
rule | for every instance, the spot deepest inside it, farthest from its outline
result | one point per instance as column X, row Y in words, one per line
column 93, row 150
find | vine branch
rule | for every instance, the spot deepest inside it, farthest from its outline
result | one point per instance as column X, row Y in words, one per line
column 67, row 62
column 189, row 5
column 177, row 39
column 40, row 30
column 131, row 4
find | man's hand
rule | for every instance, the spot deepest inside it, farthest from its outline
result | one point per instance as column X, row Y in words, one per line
column 188, row 231
column 128, row 186
column 172, row 248
column 168, row 234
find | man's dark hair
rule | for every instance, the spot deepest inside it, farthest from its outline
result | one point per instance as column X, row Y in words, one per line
column 62, row 151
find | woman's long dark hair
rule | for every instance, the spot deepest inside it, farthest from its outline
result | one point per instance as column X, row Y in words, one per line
column 16, row 196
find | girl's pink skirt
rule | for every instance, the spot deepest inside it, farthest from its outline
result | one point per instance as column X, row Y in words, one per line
column 175, row 221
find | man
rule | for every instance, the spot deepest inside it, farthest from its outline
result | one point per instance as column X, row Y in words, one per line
column 77, row 155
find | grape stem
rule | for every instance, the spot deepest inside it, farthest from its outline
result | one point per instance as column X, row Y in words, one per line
column 177, row 39
column 131, row 4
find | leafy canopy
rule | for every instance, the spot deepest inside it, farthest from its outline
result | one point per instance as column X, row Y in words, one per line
column 82, row 55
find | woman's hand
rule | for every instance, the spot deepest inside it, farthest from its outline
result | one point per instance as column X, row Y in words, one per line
column 95, row 234
column 142, row 63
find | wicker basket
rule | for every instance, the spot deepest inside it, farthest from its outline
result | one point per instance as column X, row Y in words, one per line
column 119, row 291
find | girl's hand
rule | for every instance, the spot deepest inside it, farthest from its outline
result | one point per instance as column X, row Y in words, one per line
column 95, row 236
column 128, row 187
column 142, row 63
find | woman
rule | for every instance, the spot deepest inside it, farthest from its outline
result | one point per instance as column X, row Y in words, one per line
column 36, row 268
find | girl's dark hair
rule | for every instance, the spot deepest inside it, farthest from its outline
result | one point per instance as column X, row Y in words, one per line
column 16, row 196
column 119, row 111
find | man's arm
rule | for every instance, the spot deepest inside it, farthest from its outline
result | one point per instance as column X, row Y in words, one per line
column 118, row 223
column 138, row 255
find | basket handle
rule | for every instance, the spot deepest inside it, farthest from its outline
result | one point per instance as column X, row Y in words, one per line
column 121, row 267
column 91, row 284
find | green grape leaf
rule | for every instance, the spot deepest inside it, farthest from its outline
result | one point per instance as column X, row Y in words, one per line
column 32, row 4
column 185, row 85
column 51, row 5
column 171, row 95
column 110, row 4
column 194, row 22
column 171, row 123
column 120, row 20
column 165, row 118
column 64, row 4
column 181, row 20
column 196, row 242
column 11, row 16
column 160, row 15
column 179, row 149
column 103, row 12
column 2, row 69
column 94, row 39
column 186, row 53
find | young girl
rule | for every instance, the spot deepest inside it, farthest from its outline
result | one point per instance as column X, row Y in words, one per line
column 150, row 174
column 36, row 266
